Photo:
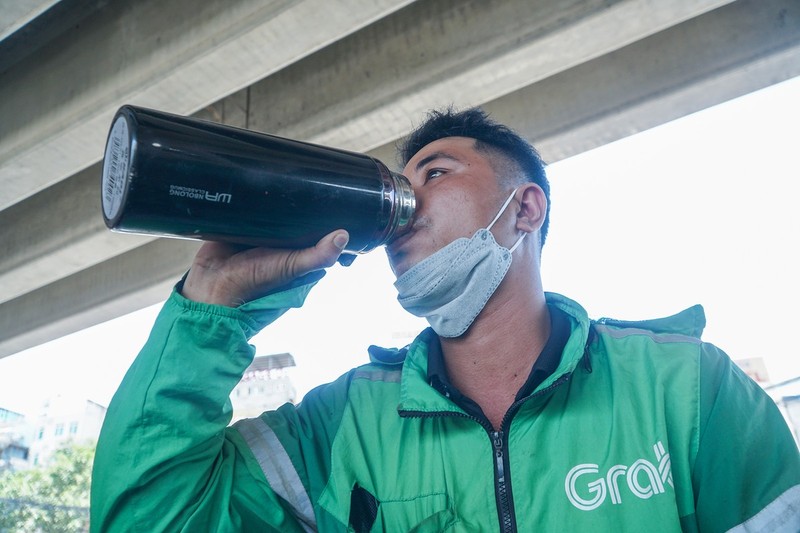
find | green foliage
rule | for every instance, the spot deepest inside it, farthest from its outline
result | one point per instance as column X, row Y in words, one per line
column 52, row 499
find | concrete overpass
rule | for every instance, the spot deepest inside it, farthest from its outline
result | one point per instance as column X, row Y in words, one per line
column 569, row 74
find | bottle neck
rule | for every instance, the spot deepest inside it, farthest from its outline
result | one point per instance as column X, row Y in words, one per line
column 404, row 203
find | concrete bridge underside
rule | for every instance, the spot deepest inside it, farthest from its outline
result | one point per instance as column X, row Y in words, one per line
column 358, row 74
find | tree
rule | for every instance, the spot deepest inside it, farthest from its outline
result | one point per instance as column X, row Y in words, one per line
column 51, row 499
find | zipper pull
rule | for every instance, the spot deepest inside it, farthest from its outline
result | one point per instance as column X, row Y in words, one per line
column 497, row 440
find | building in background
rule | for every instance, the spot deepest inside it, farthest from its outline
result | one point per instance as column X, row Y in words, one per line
column 61, row 420
column 787, row 397
column 10, row 418
column 14, row 440
column 756, row 368
column 785, row 394
column 265, row 385
column 30, row 442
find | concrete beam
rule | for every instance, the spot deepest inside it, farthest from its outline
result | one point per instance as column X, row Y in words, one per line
column 360, row 92
column 179, row 55
column 16, row 14
column 58, row 231
column 719, row 56
column 26, row 26
column 706, row 60
column 118, row 286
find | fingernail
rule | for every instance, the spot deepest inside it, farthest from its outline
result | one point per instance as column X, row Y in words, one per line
column 340, row 241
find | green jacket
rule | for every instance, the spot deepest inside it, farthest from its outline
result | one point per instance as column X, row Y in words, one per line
column 642, row 428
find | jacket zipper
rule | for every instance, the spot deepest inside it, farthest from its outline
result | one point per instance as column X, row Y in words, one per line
column 505, row 510
column 502, row 481
column 505, row 499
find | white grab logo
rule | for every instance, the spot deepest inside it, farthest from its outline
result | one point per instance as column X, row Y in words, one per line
column 587, row 489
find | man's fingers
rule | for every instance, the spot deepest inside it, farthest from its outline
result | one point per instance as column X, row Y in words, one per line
column 230, row 274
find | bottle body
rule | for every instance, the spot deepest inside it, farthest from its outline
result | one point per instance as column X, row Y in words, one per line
column 176, row 176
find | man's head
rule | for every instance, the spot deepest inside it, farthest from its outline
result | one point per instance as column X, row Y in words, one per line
column 512, row 157
column 462, row 167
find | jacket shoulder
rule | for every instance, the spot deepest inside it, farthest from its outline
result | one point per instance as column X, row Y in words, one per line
column 689, row 322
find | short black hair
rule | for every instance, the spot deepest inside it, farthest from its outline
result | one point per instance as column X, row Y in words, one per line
column 490, row 136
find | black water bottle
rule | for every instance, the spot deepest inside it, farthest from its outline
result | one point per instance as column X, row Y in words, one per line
column 175, row 176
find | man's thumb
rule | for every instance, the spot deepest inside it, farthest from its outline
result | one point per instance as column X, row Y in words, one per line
column 340, row 240
column 329, row 248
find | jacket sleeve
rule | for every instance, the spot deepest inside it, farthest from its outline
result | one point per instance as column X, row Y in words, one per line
column 747, row 470
column 165, row 459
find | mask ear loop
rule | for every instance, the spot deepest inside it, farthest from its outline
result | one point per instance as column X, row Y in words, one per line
column 511, row 250
column 502, row 210
column 499, row 214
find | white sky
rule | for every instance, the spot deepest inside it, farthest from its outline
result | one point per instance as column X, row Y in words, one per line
column 701, row 210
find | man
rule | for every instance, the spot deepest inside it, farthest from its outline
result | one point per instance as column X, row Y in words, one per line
column 515, row 412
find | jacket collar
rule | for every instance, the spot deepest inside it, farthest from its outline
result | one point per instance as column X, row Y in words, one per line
column 416, row 393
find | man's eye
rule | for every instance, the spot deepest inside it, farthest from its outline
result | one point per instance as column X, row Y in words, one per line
column 434, row 173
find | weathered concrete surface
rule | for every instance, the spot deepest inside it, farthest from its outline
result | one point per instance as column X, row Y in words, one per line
column 570, row 75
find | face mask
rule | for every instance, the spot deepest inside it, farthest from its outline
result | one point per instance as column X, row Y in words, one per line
column 451, row 286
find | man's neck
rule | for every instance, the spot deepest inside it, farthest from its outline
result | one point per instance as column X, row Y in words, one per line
column 492, row 361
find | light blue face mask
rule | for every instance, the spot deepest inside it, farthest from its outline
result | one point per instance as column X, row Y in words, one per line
column 451, row 286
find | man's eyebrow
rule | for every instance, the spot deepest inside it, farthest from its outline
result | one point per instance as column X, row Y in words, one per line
column 436, row 155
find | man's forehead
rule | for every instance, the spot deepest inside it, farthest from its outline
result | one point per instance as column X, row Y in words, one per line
column 446, row 147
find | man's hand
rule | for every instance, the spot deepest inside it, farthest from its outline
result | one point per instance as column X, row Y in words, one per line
column 228, row 274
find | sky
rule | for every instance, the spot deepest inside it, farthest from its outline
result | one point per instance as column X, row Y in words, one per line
column 703, row 210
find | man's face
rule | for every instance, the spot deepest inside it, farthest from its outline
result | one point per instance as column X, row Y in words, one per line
column 456, row 192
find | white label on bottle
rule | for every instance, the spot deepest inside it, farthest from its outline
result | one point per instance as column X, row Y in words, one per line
column 115, row 167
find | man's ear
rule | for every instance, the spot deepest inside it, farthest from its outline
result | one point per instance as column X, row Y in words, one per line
column 533, row 207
